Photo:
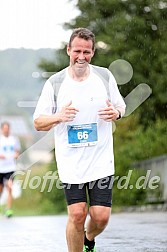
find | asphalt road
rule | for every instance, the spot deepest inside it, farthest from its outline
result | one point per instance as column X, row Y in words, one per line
column 126, row 232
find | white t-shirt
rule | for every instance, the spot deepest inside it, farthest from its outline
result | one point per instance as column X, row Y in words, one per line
column 87, row 163
column 8, row 146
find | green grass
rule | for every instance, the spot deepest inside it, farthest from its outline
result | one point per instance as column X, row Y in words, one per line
column 32, row 201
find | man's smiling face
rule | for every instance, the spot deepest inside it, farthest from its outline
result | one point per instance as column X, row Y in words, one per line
column 80, row 53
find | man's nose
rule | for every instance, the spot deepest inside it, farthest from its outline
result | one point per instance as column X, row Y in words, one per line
column 81, row 55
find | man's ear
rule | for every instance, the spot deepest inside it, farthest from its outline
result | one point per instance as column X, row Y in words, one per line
column 93, row 53
column 68, row 50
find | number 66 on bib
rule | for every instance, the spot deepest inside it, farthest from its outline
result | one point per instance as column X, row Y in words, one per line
column 81, row 135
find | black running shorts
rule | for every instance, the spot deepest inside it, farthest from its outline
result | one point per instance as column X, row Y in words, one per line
column 98, row 192
column 5, row 176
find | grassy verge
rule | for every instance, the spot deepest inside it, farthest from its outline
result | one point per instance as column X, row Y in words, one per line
column 33, row 201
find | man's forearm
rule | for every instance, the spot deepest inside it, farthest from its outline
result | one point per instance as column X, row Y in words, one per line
column 46, row 122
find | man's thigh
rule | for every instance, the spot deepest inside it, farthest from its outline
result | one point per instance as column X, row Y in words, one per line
column 75, row 193
column 100, row 192
column 1, row 182
column 1, row 178
column 8, row 176
column 6, row 180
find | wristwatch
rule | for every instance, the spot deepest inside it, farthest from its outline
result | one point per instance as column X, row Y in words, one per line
column 119, row 117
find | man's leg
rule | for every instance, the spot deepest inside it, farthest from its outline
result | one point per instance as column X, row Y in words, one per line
column 1, row 183
column 1, row 186
column 100, row 195
column 1, row 189
column 9, row 193
column 75, row 226
column 99, row 217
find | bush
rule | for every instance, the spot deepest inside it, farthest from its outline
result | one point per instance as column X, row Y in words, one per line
column 54, row 194
column 134, row 143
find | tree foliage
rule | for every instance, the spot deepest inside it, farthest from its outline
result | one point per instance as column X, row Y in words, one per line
column 133, row 144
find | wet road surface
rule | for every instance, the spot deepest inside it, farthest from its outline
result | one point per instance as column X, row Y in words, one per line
column 126, row 232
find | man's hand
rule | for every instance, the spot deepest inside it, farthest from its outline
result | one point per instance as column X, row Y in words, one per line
column 67, row 113
column 17, row 153
column 109, row 113
column 46, row 122
column 2, row 156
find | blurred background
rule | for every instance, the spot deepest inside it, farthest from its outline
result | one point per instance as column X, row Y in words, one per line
column 33, row 48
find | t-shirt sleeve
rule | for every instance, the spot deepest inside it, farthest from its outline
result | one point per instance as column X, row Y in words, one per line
column 17, row 144
column 46, row 103
column 116, row 98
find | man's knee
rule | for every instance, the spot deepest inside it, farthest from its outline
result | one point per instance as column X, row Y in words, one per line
column 9, row 184
column 100, row 215
column 77, row 213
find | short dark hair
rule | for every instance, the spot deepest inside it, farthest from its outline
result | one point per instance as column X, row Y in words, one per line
column 83, row 33
column 5, row 123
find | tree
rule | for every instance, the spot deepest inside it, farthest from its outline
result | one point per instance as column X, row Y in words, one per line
column 61, row 61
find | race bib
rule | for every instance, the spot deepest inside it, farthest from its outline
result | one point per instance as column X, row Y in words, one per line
column 82, row 135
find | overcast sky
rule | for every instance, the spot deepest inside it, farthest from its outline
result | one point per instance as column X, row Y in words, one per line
column 34, row 23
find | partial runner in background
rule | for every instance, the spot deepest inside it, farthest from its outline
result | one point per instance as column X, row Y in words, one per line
column 9, row 151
